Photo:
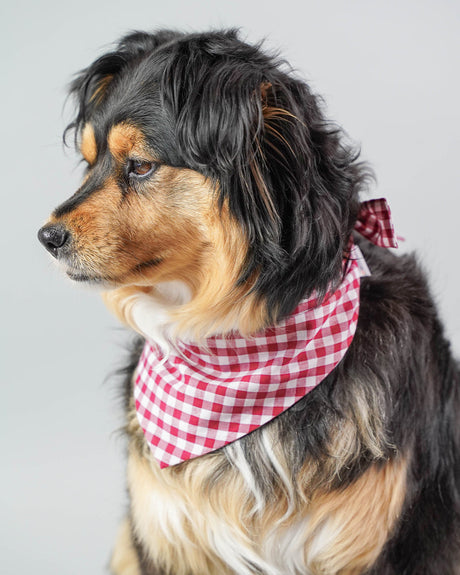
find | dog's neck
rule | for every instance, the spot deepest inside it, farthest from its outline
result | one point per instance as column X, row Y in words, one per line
column 171, row 310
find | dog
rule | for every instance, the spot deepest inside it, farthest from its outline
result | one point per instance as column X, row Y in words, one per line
column 220, row 215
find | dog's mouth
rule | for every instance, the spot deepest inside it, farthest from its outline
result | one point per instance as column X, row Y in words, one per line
column 80, row 273
column 84, row 278
column 77, row 272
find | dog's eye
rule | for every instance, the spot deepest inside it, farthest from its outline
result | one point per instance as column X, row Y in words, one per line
column 141, row 168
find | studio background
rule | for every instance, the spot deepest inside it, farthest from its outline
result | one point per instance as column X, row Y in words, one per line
column 388, row 71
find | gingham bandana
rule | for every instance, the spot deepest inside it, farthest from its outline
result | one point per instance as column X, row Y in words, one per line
column 197, row 399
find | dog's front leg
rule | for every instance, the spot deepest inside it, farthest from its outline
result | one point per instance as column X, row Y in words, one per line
column 124, row 559
column 128, row 557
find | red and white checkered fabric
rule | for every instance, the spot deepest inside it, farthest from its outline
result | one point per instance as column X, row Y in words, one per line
column 197, row 399
column 374, row 223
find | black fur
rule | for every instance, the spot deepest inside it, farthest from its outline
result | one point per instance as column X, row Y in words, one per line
column 202, row 99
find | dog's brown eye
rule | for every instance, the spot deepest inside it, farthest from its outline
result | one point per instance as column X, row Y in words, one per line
column 141, row 167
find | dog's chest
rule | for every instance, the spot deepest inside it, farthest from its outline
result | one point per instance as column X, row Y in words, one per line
column 205, row 517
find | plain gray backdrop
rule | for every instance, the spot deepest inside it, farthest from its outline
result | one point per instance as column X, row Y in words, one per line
column 389, row 72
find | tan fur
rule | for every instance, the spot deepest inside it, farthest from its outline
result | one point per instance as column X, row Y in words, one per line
column 125, row 139
column 209, row 268
column 124, row 557
column 120, row 301
column 360, row 429
column 262, row 189
column 181, row 513
column 101, row 88
column 362, row 517
column 160, row 509
column 219, row 304
column 88, row 146
column 272, row 115
column 116, row 239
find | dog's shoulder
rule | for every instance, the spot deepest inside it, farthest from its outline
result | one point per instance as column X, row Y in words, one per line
column 396, row 290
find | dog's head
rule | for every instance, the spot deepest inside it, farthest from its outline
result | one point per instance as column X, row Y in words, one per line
column 209, row 164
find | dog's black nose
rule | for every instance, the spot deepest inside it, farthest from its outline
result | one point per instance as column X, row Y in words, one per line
column 54, row 237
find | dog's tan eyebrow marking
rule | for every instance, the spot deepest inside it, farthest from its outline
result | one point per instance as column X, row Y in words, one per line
column 124, row 139
column 88, row 146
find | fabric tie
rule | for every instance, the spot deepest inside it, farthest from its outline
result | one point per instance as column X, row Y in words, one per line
column 197, row 399
column 375, row 224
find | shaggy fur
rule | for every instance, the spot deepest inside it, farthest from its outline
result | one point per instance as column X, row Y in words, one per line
column 216, row 198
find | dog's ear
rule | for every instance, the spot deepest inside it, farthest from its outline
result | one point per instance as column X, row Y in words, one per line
column 91, row 85
column 313, row 178
column 287, row 175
